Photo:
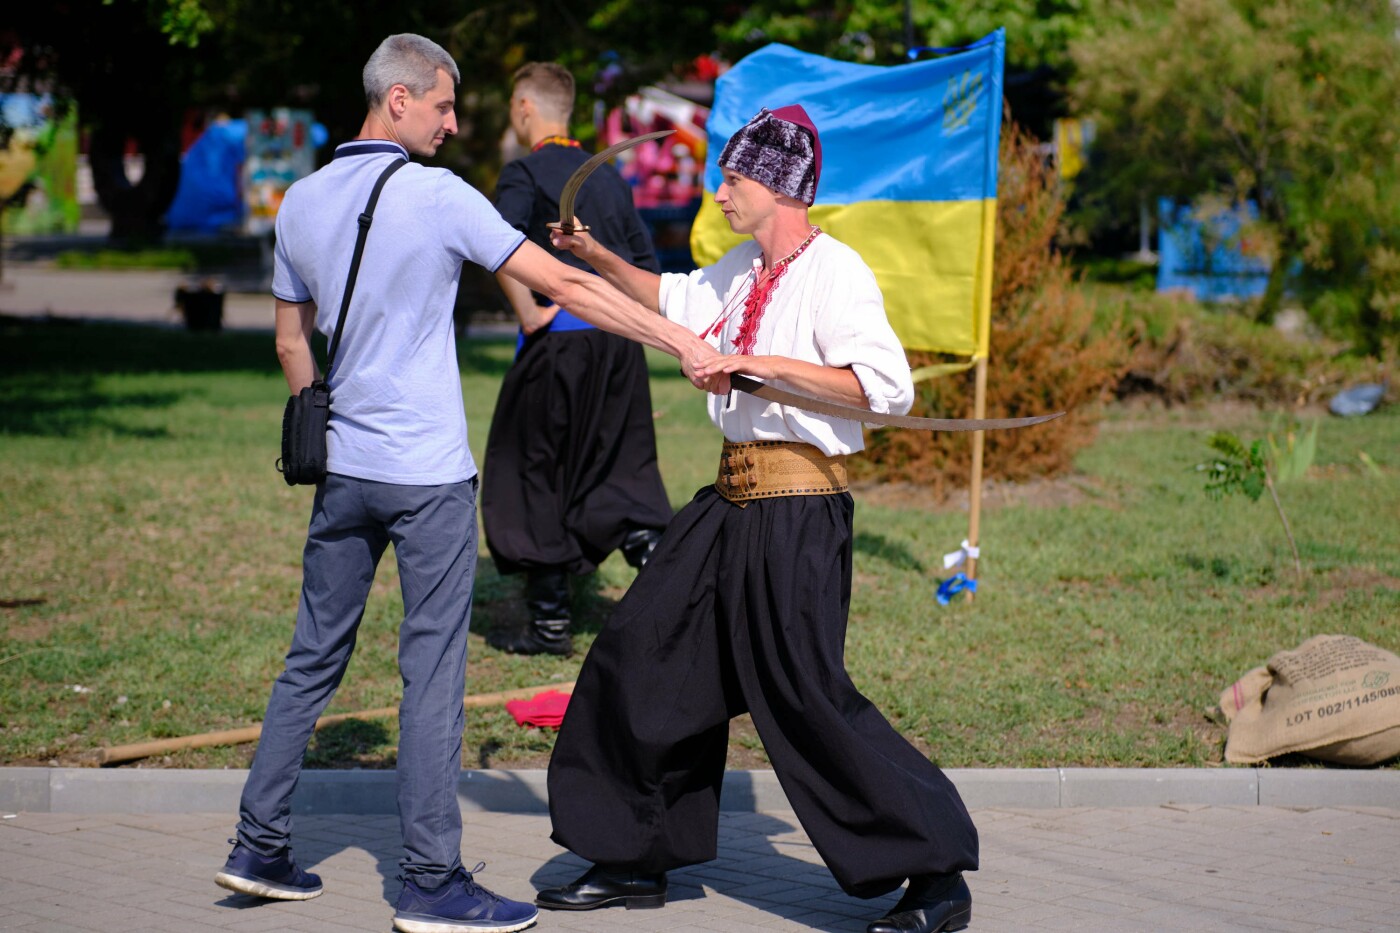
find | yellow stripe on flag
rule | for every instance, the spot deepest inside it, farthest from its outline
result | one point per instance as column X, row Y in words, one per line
column 932, row 260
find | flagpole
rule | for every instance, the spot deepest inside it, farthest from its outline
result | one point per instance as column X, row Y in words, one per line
column 974, row 518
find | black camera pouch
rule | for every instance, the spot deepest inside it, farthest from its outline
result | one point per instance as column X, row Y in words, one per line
column 304, row 422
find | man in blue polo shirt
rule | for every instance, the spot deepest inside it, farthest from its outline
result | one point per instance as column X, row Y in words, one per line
column 399, row 469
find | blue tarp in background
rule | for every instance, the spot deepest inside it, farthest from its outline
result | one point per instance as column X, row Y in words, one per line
column 209, row 198
column 1205, row 255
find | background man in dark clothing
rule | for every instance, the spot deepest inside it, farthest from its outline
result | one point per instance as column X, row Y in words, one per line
column 571, row 470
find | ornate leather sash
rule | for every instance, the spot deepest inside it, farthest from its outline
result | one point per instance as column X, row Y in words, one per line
column 765, row 469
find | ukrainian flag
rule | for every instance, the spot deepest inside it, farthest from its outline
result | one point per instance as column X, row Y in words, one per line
column 909, row 176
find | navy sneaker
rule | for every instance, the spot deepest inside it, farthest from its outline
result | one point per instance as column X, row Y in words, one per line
column 459, row 904
column 275, row 877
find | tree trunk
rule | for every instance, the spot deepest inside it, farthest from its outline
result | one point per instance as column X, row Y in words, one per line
column 1273, row 213
column 1277, row 285
column 1278, row 506
column 137, row 210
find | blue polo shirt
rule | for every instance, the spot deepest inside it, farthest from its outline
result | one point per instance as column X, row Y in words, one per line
column 396, row 393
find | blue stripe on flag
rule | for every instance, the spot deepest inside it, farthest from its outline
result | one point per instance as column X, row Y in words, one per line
column 924, row 131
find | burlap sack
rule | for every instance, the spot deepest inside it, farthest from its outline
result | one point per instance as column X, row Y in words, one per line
column 1335, row 698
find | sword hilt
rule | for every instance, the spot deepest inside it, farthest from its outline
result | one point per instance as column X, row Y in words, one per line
column 569, row 228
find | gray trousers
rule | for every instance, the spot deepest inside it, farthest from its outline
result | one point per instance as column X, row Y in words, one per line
column 433, row 529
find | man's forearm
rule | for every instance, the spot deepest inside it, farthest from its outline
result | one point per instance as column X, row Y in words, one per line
column 837, row 384
column 592, row 299
column 595, row 300
column 522, row 302
column 294, row 325
column 641, row 285
column 298, row 366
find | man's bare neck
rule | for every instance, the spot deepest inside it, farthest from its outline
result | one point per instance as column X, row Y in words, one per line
column 787, row 232
column 539, row 134
column 376, row 127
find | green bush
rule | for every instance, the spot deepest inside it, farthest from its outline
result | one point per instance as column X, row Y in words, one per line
column 1288, row 104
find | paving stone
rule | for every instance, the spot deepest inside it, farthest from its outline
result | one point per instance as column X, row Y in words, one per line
column 59, row 926
column 1117, row 870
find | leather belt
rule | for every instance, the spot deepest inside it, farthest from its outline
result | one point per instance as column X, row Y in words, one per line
column 766, row 469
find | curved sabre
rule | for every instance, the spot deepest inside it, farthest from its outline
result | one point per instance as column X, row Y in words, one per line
column 771, row 394
column 565, row 224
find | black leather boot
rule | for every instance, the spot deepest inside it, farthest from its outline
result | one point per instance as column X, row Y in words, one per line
column 538, row 636
column 547, row 632
column 547, row 594
column 605, row 887
column 639, row 544
column 931, row 904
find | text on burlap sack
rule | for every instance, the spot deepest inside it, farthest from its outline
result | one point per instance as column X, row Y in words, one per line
column 1340, row 656
column 1341, row 706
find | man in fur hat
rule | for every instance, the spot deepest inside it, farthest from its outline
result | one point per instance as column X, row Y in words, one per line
column 743, row 606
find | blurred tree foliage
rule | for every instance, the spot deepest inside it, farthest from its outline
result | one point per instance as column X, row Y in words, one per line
column 136, row 67
column 1039, row 34
column 1288, row 103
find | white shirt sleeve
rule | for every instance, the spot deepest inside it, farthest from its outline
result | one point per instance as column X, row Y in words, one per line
column 851, row 329
column 698, row 299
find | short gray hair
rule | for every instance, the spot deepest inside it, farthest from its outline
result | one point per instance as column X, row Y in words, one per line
column 406, row 59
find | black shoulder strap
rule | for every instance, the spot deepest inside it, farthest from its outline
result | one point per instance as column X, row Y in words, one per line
column 365, row 220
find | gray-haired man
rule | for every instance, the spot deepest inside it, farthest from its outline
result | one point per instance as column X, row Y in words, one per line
column 400, row 471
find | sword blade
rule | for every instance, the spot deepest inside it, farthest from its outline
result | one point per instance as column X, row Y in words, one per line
column 821, row 407
column 571, row 187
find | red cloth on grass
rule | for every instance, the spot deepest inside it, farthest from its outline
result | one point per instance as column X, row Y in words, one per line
column 543, row 709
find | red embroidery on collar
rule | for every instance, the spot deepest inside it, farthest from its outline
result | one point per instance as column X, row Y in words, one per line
column 760, row 296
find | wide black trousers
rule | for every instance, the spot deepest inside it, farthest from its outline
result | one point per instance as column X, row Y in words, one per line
column 571, row 457
column 744, row 609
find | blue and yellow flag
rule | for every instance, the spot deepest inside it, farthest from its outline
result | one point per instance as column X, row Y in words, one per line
column 909, row 176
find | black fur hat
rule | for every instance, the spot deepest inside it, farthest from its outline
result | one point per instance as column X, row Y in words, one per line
column 780, row 150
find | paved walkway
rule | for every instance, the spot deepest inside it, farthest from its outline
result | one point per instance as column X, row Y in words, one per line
column 31, row 290
column 1115, row 870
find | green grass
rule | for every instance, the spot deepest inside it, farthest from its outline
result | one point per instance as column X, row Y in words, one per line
column 179, row 259
column 150, row 556
column 212, row 254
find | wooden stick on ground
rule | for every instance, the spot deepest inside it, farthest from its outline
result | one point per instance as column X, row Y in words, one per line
column 120, row 753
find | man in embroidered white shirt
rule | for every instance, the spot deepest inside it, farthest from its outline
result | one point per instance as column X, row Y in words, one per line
column 743, row 606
